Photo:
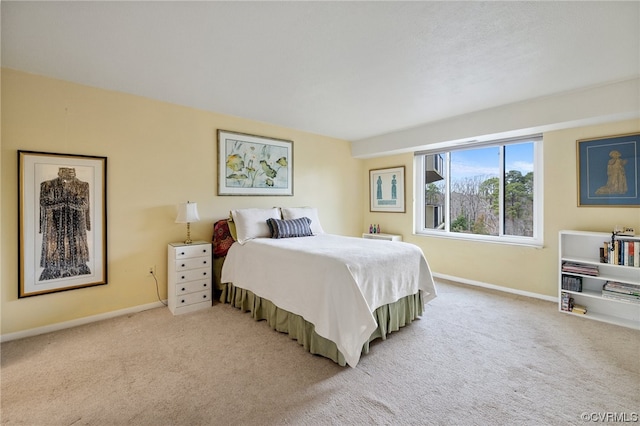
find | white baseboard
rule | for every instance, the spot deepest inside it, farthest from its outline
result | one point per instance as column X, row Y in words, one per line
column 140, row 308
column 495, row 287
column 76, row 322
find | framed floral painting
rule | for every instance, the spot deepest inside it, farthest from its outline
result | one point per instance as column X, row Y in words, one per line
column 254, row 165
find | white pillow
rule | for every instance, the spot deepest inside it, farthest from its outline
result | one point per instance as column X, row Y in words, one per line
column 252, row 223
column 298, row 212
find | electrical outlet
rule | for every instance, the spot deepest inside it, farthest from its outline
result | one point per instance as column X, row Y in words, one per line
column 627, row 231
column 151, row 271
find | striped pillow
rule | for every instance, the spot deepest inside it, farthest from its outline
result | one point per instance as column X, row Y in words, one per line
column 290, row 228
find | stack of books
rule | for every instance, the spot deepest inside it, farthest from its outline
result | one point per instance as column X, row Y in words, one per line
column 623, row 251
column 621, row 291
column 567, row 304
column 566, row 301
column 579, row 268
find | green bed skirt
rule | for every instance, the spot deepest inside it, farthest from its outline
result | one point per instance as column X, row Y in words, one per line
column 389, row 318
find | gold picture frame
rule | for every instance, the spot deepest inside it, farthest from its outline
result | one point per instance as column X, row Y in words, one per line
column 609, row 171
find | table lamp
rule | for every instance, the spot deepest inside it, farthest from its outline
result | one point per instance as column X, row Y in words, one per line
column 187, row 213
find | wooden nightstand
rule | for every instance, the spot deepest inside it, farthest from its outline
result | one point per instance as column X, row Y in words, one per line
column 189, row 276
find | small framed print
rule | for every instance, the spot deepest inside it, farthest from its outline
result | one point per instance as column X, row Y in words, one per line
column 608, row 173
column 62, row 222
column 386, row 192
column 254, row 165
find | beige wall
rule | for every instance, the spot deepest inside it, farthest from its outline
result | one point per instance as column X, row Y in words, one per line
column 161, row 154
column 158, row 155
column 516, row 267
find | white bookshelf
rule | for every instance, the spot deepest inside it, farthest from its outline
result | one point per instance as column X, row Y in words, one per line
column 584, row 248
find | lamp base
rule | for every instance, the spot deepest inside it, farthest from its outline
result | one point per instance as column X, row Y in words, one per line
column 188, row 240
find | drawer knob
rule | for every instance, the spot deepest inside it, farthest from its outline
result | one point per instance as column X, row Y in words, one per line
column 204, row 251
column 204, row 285
column 182, row 253
column 182, row 265
column 183, row 288
column 204, row 296
column 205, row 262
column 182, row 301
column 183, row 277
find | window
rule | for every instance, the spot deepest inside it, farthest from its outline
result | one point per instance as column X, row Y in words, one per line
column 490, row 191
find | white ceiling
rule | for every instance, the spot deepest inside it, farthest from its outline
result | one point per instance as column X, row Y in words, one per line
column 350, row 70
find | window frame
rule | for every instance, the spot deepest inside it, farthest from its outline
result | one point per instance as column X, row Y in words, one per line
column 538, row 197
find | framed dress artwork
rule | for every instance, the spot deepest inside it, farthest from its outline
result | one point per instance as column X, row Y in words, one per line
column 62, row 222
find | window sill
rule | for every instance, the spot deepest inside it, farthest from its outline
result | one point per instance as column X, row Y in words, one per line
column 514, row 241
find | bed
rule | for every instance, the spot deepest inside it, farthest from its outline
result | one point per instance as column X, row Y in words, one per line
column 333, row 294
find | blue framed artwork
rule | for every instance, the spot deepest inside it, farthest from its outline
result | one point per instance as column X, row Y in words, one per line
column 387, row 190
column 608, row 174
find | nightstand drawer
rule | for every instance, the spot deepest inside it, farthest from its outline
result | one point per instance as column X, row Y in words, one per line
column 193, row 286
column 186, row 252
column 193, row 263
column 191, row 298
column 192, row 275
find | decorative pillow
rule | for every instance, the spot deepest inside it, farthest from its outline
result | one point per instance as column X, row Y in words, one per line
column 290, row 228
column 232, row 228
column 252, row 223
column 309, row 212
column 222, row 239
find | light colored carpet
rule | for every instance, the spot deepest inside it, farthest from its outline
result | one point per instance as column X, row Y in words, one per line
column 476, row 357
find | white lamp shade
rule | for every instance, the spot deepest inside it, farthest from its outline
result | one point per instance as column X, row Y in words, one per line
column 187, row 213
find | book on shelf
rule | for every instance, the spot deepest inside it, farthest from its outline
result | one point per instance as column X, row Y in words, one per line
column 614, row 252
column 619, row 296
column 579, row 309
column 579, row 268
column 623, row 250
column 627, row 250
column 625, row 288
column 621, row 291
column 566, row 301
column 632, row 253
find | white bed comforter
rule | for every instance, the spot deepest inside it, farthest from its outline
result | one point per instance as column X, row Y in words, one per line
column 334, row 282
